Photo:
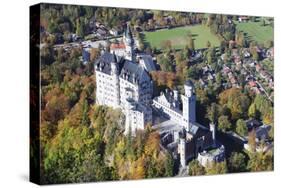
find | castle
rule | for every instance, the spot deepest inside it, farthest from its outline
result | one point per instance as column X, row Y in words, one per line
column 123, row 81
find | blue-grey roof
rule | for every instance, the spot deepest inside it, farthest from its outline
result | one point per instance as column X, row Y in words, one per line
column 189, row 83
column 128, row 70
column 149, row 64
column 105, row 60
column 253, row 124
column 133, row 72
column 193, row 129
column 170, row 98
column 262, row 132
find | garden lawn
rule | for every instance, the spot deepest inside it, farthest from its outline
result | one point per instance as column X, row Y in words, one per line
column 178, row 37
column 255, row 31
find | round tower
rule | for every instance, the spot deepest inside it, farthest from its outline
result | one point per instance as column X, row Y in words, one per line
column 188, row 88
column 188, row 105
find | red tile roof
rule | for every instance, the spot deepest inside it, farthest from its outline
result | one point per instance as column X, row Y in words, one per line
column 117, row 46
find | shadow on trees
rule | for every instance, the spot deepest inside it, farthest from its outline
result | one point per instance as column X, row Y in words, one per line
column 230, row 143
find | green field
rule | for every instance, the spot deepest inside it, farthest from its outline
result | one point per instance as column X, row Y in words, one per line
column 178, row 37
column 255, row 31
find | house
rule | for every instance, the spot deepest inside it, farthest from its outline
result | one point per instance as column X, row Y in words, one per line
column 226, row 70
column 262, row 132
column 262, row 141
column 265, row 75
column 237, row 60
column 258, row 67
column 118, row 48
column 256, row 90
column 98, row 24
column 246, row 53
column 252, row 83
column 270, row 53
column 101, row 32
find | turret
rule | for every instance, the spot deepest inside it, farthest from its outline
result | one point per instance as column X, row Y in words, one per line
column 129, row 105
column 213, row 130
column 188, row 88
column 182, row 152
column 188, row 105
column 176, row 95
column 128, row 36
column 129, row 43
column 113, row 64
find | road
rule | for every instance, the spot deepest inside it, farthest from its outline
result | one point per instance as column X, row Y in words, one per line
column 87, row 43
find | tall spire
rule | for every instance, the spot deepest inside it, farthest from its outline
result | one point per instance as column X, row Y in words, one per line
column 128, row 32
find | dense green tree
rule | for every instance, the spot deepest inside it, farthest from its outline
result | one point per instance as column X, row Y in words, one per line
column 129, row 146
column 241, row 127
column 216, row 168
column 237, row 162
column 52, row 27
column 195, row 169
column 71, row 157
column 252, row 112
column 47, row 55
column 223, row 123
column 165, row 64
column 85, row 116
column 264, row 108
column 211, row 55
column 240, row 39
column 213, row 112
column 193, row 72
column 80, row 28
column 169, row 165
column 260, row 161
column 255, row 55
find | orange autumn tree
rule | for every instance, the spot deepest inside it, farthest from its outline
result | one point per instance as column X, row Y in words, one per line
column 236, row 101
column 162, row 78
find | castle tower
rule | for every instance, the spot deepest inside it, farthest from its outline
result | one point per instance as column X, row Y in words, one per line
column 129, row 43
column 115, row 81
column 129, row 105
column 188, row 104
column 213, row 130
column 182, row 152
